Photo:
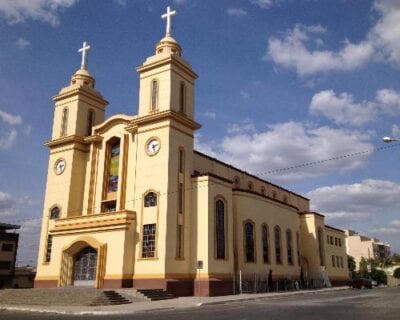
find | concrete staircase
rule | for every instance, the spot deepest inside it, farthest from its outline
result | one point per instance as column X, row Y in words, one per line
column 156, row 294
column 65, row 297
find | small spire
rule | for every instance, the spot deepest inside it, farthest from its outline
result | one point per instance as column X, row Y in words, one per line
column 168, row 15
column 85, row 48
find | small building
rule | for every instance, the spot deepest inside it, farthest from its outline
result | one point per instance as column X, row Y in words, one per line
column 8, row 253
column 360, row 246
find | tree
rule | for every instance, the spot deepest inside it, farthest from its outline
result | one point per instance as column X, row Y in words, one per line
column 351, row 264
column 396, row 273
column 363, row 268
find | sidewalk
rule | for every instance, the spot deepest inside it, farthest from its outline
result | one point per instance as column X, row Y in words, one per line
column 145, row 306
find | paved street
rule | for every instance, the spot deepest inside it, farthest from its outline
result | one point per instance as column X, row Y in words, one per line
column 383, row 304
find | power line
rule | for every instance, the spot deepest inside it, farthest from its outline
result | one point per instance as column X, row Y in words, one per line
column 303, row 165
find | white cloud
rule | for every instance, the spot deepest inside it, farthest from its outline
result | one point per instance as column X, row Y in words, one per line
column 6, row 202
column 22, row 43
column 236, row 12
column 355, row 202
column 10, row 118
column 395, row 131
column 8, row 139
column 210, row 114
column 386, row 33
column 389, row 100
column 386, row 231
column 290, row 144
column 395, row 223
column 17, row 11
column 180, row 1
column 121, row 3
column 342, row 109
column 204, row 147
column 291, row 52
column 264, row 4
column 244, row 126
column 244, row 94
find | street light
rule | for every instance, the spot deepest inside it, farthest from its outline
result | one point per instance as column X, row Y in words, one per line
column 389, row 139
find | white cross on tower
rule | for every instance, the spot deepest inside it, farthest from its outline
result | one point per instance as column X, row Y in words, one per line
column 85, row 48
column 168, row 16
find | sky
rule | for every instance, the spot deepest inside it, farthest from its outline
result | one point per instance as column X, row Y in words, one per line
column 298, row 92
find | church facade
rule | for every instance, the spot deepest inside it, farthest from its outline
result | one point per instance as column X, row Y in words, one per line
column 130, row 203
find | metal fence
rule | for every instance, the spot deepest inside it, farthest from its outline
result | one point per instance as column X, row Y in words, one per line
column 259, row 283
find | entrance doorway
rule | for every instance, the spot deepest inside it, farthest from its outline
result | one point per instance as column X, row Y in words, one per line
column 85, row 267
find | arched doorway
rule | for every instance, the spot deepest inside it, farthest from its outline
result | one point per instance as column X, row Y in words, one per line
column 85, row 263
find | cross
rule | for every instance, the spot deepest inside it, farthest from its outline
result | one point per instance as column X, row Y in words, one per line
column 168, row 16
column 85, row 48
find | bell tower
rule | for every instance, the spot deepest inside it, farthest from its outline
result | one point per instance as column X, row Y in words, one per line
column 167, row 79
column 78, row 107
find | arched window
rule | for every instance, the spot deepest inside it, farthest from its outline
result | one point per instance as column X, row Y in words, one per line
column 220, row 228
column 90, row 122
column 265, row 243
column 298, row 247
column 154, row 95
column 182, row 97
column 55, row 213
column 150, row 200
column 274, row 194
column 263, row 191
column 285, row 199
column 249, row 241
column 289, row 246
column 321, row 247
column 277, row 238
column 250, row 185
column 64, row 122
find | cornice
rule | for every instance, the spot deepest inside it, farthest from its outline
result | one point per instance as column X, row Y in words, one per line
column 72, row 139
column 168, row 60
column 165, row 115
column 76, row 91
column 97, row 222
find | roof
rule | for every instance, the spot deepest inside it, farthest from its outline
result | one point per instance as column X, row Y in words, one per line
column 7, row 226
column 333, row 228
column 249, row 174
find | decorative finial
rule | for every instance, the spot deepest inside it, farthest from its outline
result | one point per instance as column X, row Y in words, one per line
column 85, row 48
column 168, row 16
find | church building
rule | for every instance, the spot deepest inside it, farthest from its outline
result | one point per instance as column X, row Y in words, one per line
column 130, row 203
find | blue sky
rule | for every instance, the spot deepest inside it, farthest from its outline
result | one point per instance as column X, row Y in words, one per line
column 282, row 83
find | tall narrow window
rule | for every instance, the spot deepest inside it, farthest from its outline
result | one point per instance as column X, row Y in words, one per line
column 341, row 262
column 90, row 122
column 64, row 122
column 333, row 261
column 150, row 200
column 179, row 238
column 181, row 161
column 265, row 243
column 49, row 247
column 277, row 237
column 289, row 246
column 337, row 261
column 249, row 241
column 298, row 247
column 113, row 168
column 220, row 228
column 149, row 241
column 154, row 94
column 321, row 247
column 180, row 198
column 182, row 98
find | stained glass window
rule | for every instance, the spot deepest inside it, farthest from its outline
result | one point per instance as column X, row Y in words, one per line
column 220, row 228
column 249, row 241
column 113, row 172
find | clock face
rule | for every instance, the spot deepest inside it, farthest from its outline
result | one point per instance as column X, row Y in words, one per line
column 59, row 166
column 153, row 146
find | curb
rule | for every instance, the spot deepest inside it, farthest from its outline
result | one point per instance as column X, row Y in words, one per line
column 153, row 308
